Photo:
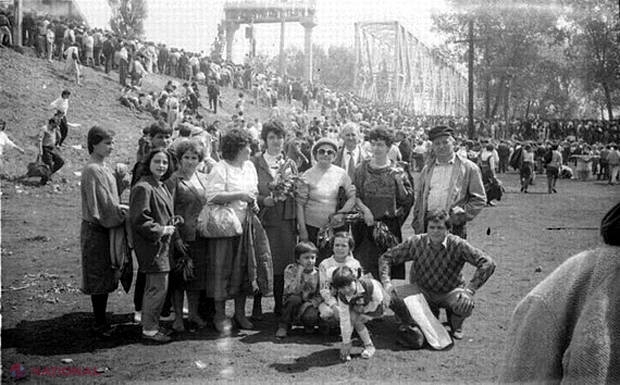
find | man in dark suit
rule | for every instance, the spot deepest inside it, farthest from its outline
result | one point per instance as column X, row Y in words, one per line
column 403, row 144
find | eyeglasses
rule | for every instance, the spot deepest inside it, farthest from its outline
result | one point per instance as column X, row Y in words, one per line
column 323, row 151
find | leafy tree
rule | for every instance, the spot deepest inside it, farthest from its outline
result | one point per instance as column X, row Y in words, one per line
column 537, row 57
column 334, row 67
column 128, row 17
column 593, row 36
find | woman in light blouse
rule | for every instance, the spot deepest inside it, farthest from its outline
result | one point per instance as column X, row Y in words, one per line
column 232, row 181
column 318, row 194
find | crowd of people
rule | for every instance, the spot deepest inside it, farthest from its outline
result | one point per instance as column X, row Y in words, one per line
column 307, row 209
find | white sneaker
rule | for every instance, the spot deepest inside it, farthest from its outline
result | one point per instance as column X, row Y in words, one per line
column 137, row 317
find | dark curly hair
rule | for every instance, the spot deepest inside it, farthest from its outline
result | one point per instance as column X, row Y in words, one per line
column 192, row 145
column 233, row 142
column 274, row 126
column 381, row 133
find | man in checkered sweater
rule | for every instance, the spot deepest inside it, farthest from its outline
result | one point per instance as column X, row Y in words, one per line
column 436, row 272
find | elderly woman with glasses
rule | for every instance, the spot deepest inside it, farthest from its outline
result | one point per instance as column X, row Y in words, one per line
column 319, row 193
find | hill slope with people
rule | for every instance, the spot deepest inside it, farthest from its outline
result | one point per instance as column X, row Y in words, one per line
column 29, row 84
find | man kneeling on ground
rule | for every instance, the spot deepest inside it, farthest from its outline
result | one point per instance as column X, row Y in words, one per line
column 436, row 272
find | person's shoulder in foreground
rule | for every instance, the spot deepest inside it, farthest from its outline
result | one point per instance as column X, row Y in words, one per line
column 567, row 329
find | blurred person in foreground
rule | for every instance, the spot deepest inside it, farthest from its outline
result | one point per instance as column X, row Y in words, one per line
column 567, row 329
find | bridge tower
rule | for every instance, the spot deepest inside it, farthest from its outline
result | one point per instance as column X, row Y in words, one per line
column 237, row 12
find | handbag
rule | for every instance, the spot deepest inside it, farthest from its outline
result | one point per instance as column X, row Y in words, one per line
column 219, row 221
column 38, row 168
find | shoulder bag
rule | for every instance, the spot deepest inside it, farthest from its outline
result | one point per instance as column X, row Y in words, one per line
column 219, row 220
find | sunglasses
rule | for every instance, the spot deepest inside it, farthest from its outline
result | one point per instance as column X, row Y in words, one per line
column 323, row 151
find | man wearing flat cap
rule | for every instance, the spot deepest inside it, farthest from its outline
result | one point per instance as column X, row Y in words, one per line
column 449, row 182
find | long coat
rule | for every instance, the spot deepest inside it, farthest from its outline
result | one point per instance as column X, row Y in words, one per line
column 150, row 209
column 279, row 221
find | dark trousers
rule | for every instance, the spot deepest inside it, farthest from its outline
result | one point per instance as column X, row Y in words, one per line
column 64, row 129
column 109, row 57
column 309, row 318
column 122, row 72
column 503, row 165
column 278, row 292
column 51, row 157
column 100, row 302
column 213, row 103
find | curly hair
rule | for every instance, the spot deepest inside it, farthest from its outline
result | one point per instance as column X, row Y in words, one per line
column 233, row 142
column 274, row 126
column 192, row 145
column 381, row 133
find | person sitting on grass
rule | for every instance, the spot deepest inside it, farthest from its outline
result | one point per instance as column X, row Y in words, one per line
column 301, row 291
column 359, row 301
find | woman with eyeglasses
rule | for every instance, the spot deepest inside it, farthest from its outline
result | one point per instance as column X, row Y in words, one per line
column 318, row 194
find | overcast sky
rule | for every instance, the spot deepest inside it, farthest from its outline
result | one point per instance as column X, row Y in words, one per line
column 192, row 24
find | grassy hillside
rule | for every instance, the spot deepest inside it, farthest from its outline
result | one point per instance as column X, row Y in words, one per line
column 28, row 85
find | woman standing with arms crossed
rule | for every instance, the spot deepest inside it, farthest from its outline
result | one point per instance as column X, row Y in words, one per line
column 277, row 213
column 188, row 187
column 151, row 214
column 233, row 182
column 101, row 211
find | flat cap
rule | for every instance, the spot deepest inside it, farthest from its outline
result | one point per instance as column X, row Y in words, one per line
column 439, row 131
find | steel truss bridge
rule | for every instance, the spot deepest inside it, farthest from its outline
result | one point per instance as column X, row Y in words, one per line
column 393, row 67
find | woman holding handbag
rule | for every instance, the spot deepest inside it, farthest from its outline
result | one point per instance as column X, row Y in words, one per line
column 187, row 186
column 319, row 194
column 232, row 183
column 385, row 194
column 278, row 210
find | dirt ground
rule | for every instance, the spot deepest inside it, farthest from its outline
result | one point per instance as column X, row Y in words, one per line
column 45, row 318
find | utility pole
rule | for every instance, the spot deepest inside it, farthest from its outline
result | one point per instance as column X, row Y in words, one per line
column 17, row 27
column 471, row 129
column 470, row 82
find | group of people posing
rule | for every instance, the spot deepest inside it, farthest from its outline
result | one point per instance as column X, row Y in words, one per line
column 325, row 242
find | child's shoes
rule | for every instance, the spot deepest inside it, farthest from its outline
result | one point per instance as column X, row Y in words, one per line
column 281, row 332
column 368, row 351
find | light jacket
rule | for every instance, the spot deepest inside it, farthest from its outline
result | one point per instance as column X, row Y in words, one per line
column 465, row 190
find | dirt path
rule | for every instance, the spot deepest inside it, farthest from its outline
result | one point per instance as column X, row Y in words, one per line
column 46, row 319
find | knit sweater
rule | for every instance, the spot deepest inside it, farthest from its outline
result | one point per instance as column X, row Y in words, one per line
column 567, row 329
